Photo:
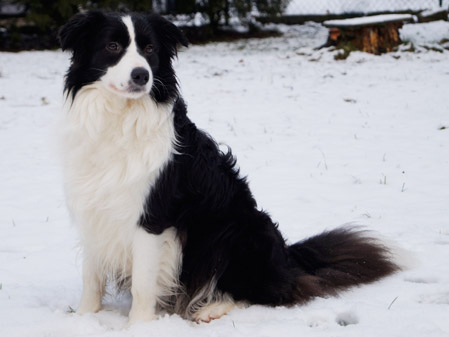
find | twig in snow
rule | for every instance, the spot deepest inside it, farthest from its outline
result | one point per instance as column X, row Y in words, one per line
column 389, row 307
column 324, row 159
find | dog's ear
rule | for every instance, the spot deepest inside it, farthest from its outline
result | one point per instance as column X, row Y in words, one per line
column 77, row 30
column 170, row 37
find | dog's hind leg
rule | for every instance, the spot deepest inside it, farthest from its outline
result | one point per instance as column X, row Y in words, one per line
column 215, row 309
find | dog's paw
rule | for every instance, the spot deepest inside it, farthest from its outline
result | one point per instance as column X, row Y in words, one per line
column 213, row 311
column 136, row 316
column 88, row 307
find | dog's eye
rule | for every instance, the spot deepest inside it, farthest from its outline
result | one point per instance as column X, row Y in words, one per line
column 148, row 49
column 114, row 47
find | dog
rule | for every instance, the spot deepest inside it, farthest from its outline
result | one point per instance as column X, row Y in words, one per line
column 161, row 210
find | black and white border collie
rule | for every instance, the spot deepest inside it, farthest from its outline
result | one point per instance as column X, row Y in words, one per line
column 159, row 207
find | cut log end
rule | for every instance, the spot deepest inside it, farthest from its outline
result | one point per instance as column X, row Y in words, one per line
column 372, row 34
column 374, row 39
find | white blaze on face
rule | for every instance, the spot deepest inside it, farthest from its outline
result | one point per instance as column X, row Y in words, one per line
column 118, row 77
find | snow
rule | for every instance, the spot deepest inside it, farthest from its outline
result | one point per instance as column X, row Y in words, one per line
column 432, row 32
column 324, row 142
column 304, row 7
column 368, row 20
column 183, row 20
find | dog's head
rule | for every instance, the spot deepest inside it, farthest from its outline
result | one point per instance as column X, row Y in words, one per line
column 130, row 54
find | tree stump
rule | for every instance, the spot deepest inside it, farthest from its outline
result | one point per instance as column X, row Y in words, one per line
column 372, row 34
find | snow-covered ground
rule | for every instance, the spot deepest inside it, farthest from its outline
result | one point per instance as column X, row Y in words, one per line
column 364, row 6
column 324, row 142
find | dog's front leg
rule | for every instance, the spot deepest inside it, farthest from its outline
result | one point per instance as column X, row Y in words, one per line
column 144, row 288
column 93, row 288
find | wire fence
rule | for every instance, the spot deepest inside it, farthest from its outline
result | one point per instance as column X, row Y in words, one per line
column 310, row 7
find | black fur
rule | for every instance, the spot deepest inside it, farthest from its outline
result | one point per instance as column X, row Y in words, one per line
column 225, row 237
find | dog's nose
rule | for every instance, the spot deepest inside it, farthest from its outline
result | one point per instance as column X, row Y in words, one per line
column 140, row 76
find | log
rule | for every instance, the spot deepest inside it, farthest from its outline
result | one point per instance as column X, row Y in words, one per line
column 428, row 16
column 372, row 34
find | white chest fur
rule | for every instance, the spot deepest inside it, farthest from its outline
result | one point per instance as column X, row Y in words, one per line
column 114, row 150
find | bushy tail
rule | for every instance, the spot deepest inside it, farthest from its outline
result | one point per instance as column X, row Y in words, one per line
column 336, row 260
